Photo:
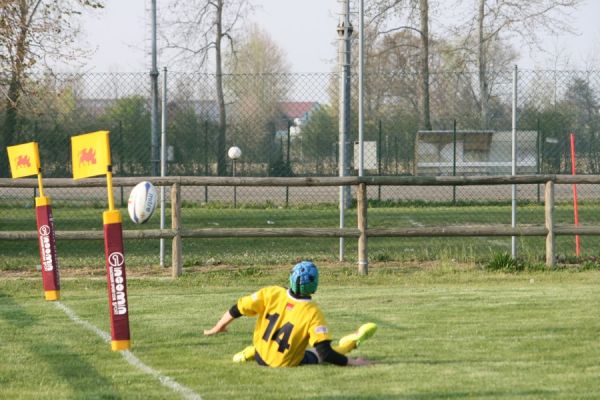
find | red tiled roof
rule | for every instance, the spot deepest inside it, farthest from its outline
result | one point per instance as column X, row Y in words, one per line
column 296, row 109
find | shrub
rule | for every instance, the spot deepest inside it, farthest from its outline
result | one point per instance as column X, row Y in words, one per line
column 504, row 262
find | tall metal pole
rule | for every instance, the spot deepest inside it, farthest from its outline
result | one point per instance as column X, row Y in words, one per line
column 513, row 244
column 538, row 159
column 363, row 259
column 454, row 160
column 154, row 156
column 379, row 150
column 361, row 71
column 163, row 162
column 344, row 30
column 287, row 160
column 235, row 187
column 206, row 159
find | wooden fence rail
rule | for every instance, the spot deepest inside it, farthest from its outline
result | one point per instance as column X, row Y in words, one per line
column 177, row 232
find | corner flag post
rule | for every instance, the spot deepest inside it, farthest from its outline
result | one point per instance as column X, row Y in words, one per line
column 25, row 161
column 91, row 157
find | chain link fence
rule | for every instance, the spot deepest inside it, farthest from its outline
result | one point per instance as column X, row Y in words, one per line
column 287, row 125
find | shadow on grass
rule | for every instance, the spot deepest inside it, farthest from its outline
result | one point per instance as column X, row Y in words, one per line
column 80, row 375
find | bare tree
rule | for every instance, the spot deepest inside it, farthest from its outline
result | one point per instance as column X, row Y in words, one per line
column 500, row 19
column 200, row 28
column 32, row 32
column 424, row 24
column 389, row 17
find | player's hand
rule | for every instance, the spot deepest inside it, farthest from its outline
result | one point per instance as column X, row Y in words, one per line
column 358, row 362
column 214, row 330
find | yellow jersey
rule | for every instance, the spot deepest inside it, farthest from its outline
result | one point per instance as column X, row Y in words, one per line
column 285, row 326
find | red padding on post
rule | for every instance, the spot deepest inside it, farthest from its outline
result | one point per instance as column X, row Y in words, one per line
column 116, row 282
column 47, row 245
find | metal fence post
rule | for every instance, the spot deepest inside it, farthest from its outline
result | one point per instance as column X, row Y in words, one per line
column 163, row 162
column 454, row 160
column 549, row 220
column 513, row 242
column 361, row 212
column 379, row 149
column 120, row 152
column 344, row 30
column 287, row 161
column 206, row 159
column 176, row 248
column 154, row 140
column 538, row 156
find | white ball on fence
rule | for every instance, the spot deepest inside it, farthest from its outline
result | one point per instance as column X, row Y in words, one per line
column 234, row 152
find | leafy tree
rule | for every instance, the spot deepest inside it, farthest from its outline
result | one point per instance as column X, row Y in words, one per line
column 191, row 136
column 581, row 102
column 32, row 31
column 259, row 83
column 46, row 118
column 131, row 117
column 319, row 137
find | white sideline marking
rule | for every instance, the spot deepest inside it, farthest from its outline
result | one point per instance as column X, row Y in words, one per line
column 185, row 392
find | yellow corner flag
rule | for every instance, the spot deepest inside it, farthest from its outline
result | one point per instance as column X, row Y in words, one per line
column 24, row 159
column 90, row 154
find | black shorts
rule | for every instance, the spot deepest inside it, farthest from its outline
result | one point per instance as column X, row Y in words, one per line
column 309, row 358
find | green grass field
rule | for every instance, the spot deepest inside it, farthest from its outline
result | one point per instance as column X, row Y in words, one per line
column 444, row 333
column 23, row 255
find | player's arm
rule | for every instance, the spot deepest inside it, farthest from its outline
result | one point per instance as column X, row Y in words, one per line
column 226, row 319
column 247, row 305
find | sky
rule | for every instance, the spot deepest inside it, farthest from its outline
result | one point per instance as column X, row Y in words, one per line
column 119, row 36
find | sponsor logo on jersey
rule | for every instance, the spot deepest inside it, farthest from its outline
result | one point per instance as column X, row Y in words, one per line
column 289, row 306
column 321, row 329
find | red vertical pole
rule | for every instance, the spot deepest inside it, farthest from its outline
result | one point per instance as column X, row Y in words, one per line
column 116, row 280
column 575, row 210
column 47, row 245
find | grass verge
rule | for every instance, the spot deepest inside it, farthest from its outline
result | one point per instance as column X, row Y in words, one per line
column 444, row 332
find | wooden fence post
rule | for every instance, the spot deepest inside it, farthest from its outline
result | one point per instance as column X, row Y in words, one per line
column 549, row 220
column 176, row 258
column 361, row 212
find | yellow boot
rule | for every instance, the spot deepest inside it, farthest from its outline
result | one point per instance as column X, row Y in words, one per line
column 353, row 340
column 245, row 355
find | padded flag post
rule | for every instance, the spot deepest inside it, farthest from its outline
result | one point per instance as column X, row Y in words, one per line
column 90, row 154
column 116, row 280
column 25, row 161
column 47, row 245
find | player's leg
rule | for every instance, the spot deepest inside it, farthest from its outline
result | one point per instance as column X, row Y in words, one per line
column 245, row 355
column 310, row 357
column 353, row 340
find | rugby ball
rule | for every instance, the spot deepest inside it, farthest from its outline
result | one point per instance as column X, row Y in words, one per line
column 142, row 202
